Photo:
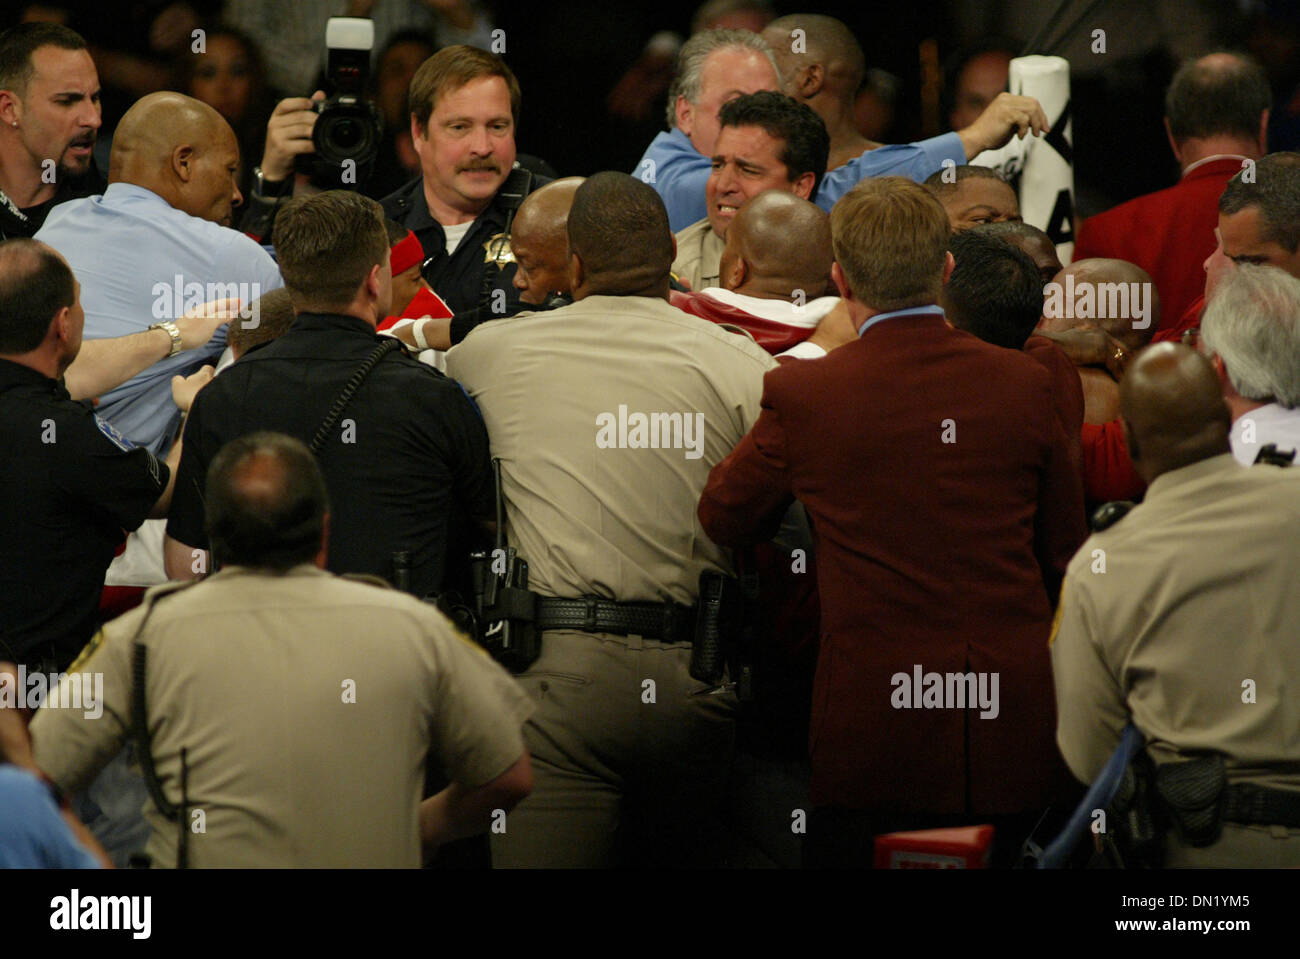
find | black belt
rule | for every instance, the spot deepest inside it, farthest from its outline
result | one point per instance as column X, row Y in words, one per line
column 1259, row 805
column 666, row 622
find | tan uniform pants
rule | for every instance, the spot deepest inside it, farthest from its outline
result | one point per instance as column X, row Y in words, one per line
column 1240, row 847
column 630, row 768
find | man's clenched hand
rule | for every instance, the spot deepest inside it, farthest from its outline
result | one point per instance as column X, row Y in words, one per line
column 185, row 388
column 1008, row 114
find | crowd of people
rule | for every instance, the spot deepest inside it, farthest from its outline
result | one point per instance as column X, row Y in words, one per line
column 781, row 494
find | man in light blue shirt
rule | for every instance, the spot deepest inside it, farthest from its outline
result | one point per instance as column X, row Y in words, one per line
column 158, row 243
column 718, row 65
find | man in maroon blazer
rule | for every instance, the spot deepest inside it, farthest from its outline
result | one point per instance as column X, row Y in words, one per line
column 1216, row 117
column 944, row 508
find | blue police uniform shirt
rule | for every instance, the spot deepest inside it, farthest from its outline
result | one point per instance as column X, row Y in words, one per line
column 140, row 261
column 32, row 833
column 678, row 171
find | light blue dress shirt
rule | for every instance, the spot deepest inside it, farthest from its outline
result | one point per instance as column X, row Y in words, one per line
column 33, row 835
column 678, row 171
column 140, row 261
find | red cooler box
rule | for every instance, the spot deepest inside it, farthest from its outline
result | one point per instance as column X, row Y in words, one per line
column 964, row 848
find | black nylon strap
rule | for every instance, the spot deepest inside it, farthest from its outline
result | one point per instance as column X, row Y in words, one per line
column 383, row 349
column 1251, row 804
column 667, row 622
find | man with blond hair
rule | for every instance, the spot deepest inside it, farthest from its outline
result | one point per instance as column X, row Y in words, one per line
column 944, row 507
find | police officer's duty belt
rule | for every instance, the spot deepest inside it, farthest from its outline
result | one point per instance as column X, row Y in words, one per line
column 666, row 622
column 1250, row 804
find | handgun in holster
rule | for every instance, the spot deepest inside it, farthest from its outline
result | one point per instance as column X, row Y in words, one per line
column 724, row 631
column 1139, row 828
column 505, row 607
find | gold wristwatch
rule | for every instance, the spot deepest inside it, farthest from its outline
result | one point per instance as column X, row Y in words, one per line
column 172, row 330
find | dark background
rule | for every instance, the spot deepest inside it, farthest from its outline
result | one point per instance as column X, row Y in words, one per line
column 569, row 54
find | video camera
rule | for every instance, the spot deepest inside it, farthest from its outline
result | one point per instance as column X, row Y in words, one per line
column 348, row 131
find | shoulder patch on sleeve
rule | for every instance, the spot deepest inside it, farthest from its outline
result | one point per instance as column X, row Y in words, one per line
column 87, row 651
column 114, row 437
column 1056, row 619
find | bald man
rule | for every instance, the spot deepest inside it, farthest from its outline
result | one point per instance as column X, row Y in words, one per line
column 1181, row 618
column 156, row 244
column 1118, row 303
column 1114, row 296
column 540, row 242
column 825, row 71
column 607, row 415
column 775, row 279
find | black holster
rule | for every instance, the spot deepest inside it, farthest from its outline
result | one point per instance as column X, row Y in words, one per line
column 717, row 626
column 1193, row 794
column 725, row 631
column 1139, row 829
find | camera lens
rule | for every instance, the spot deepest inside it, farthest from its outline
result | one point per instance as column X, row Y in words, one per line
column 345, row 134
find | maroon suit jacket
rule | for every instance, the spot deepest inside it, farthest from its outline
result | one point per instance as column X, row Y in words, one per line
column 942, row 554
column 1168, row 233
column 1067, row 391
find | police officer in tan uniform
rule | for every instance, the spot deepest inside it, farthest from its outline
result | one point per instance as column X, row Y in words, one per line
column 607, row 416
column 1183, row 619
column 291, row 711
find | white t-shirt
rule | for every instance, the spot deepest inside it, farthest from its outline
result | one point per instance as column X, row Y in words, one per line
column 455, row 234
column 1270, row 423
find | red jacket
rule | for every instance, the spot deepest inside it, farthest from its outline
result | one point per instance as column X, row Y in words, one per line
column 1168, row 233
column 944, row 510
column 1174, row 332
column 1108, row 473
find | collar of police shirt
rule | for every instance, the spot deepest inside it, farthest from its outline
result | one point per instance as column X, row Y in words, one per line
column 1165, row 483
column 333, row 321
column 16, row 374
column 418, row 217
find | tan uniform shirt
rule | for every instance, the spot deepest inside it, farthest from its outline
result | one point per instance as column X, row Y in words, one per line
column 699, row 256
column 1186, row 615
column 608, row 415
column 307, row 704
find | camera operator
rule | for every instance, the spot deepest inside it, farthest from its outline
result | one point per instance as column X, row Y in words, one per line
column 334, row 141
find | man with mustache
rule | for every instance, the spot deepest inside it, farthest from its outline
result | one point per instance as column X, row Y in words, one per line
column 49, row 116
column 158, row 243
column 464, row 108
